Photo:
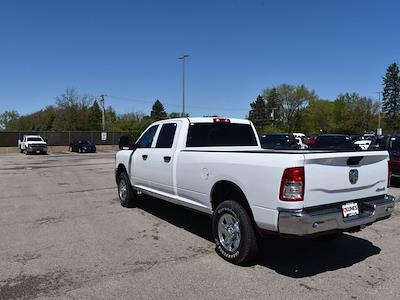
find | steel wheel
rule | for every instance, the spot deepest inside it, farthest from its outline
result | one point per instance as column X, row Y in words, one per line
column 122, row 190
column 229, row 232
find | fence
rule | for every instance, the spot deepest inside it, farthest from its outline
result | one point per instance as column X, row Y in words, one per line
column 64, row 138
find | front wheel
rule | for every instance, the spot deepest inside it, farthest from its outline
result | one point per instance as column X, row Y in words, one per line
column 234, row 234
column 126, row 194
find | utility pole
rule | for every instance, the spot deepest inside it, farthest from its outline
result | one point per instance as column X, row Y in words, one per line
column 379, row 129
column 183, row 58
column 273, row 113
column 103, row 111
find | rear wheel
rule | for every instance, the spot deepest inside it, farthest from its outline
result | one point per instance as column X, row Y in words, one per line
column 234, row 234
column 126, row 194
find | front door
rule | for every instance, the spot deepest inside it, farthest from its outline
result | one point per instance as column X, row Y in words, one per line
column 140, row 166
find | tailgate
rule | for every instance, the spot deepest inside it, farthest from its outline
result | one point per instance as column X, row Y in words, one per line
column 344, row 176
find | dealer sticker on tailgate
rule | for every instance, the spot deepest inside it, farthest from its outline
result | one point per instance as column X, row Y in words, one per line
column 350, row 209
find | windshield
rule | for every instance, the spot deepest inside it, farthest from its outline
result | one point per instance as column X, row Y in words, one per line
column 83, row 142
column 34, row 139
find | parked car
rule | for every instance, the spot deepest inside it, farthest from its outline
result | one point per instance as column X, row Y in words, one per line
column 391, row 143
column 32, row 144
column 310, row 140
column 339, row 142
column 365, row 141
column 278, row 141
column 300, row 143
column 299, row 134
column 217, row 166
column 82, row 146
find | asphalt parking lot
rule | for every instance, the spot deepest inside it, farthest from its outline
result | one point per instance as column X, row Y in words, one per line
column 63, row 234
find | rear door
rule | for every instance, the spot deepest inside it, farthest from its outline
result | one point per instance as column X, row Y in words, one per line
column 338, row 177
column 162, row 160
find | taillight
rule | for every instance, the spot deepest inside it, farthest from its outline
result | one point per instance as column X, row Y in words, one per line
column 292, row 184
column 221, row 120
column 389, row 173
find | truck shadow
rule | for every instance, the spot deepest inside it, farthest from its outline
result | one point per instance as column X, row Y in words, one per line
column 296, row 258
column 191, row 221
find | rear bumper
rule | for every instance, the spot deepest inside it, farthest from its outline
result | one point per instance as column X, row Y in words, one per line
column 327, row 218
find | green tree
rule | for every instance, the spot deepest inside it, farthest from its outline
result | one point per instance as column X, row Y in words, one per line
column 72, row 111
column 40, row 120
column 274, row 104
column 174, row 115
column 318, row 115
column 111, row 115
column 288, row 100
column 258, row 113
column 95, row 117
column 354, row 114
column 391, row 97
column 158, row 111
column 8, row 117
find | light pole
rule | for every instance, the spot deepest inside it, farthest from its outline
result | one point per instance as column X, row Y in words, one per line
column 183, row 58
column 379, row 130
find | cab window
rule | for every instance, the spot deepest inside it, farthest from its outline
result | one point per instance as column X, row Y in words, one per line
column 147, row 138
column 166, row 136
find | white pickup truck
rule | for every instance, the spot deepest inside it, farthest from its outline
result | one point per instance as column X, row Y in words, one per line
column 217, row 166
column 32, row 144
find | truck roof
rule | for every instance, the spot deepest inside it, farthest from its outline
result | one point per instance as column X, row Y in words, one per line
column 209, row 120
column 31, row 136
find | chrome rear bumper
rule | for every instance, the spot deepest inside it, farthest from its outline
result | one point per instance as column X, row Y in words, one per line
column 326, row 218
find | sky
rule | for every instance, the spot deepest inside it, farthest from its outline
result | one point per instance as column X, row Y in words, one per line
column 129, row 51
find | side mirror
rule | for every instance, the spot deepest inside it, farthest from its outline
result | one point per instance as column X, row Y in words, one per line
column 126, row 143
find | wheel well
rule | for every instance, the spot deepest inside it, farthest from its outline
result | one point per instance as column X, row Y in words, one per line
column 227, row 190
column 121, row 168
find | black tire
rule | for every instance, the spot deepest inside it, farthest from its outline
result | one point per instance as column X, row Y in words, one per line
column 127, row 196
column 20, row 150
column 239, row 252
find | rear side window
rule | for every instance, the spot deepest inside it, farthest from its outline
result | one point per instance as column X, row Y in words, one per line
column 220, row 134
column 166, row 136
column 147, row 139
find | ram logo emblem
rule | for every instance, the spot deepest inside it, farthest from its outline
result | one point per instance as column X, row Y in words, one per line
column 353, row 176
